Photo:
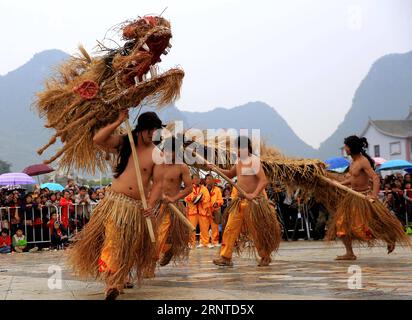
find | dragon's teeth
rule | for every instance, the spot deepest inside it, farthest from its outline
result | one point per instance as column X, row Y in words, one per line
column 136, row 80
column 153, row 71
column 146, row 47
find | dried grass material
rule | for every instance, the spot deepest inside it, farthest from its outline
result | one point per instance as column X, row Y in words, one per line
column 260, row 227
column 262, row 222
column 179, row 234
column 305, row 175
column 116, row 238
column 76, row 119
column 363, row 221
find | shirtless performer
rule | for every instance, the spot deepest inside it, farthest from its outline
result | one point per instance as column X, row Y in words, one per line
column 263, row 229
column 116, row 240
column 356, row 222
column 172, row 234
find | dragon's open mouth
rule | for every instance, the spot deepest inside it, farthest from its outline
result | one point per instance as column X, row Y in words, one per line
column 148, row 39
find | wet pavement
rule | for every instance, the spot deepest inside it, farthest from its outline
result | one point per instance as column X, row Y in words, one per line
column 300, row 270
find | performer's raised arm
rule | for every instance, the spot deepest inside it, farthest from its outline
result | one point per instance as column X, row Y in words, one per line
column 230, row 173
column 105, row 139
column 347, row 181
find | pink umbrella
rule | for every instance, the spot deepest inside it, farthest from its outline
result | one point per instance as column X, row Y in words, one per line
column 379, row 161
column 38, row 169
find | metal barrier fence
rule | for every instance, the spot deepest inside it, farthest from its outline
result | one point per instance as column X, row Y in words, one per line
column 37, row 224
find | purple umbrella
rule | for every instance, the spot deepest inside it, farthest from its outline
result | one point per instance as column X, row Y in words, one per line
column 15, row 178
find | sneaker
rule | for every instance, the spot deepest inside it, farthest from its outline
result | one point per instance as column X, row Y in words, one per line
column 200, row 245
column 223, row 262
column 210, row 246
column 35, row 249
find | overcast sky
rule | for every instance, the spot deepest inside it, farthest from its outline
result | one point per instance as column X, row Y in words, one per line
column 304, row 58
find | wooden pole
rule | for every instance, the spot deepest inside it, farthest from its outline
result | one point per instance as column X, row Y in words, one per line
column 344, row 188
column 182, row 217
column 139, row 179
column 225, row 177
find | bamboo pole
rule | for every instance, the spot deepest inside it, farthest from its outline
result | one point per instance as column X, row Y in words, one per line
column 220, row 173
column 182, row 217
column 225, row 177
column 139, row 179
column 345, row 188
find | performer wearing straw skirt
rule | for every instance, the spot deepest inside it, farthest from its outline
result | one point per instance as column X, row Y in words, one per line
column 173, row 235
column 116, row 241
column 250, row 216
column 216, row 201
column 198, row 211
column 360, row 220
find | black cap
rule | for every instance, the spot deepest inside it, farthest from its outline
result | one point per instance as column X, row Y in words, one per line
column 149, row 121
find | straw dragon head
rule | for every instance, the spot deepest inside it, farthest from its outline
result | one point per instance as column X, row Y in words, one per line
column 88, row 92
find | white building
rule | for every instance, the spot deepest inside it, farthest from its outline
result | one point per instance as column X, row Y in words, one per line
column 390, row 139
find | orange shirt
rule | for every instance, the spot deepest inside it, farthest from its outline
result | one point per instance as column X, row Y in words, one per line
column 215, row 198
column 202, row 208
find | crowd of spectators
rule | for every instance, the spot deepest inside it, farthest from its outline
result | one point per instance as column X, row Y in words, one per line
column 44, row 219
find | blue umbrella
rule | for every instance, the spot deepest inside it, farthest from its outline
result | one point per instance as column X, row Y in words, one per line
column 337, row 162
column 395, row 165
column 52, row 186
column 340, row 170
column 408, row 170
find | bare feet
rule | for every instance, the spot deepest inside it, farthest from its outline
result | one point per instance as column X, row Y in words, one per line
column 223, row 262
column 264, row 262
column 391, row 247
column 112, row 294
column 346, row 257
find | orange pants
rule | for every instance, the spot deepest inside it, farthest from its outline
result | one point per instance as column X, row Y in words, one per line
column 106, row 264
column 204, row 224
column 162, row 235
column 233, row 229
column 215, row 231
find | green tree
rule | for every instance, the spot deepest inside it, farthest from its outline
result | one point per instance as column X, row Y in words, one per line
column 4, row 167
